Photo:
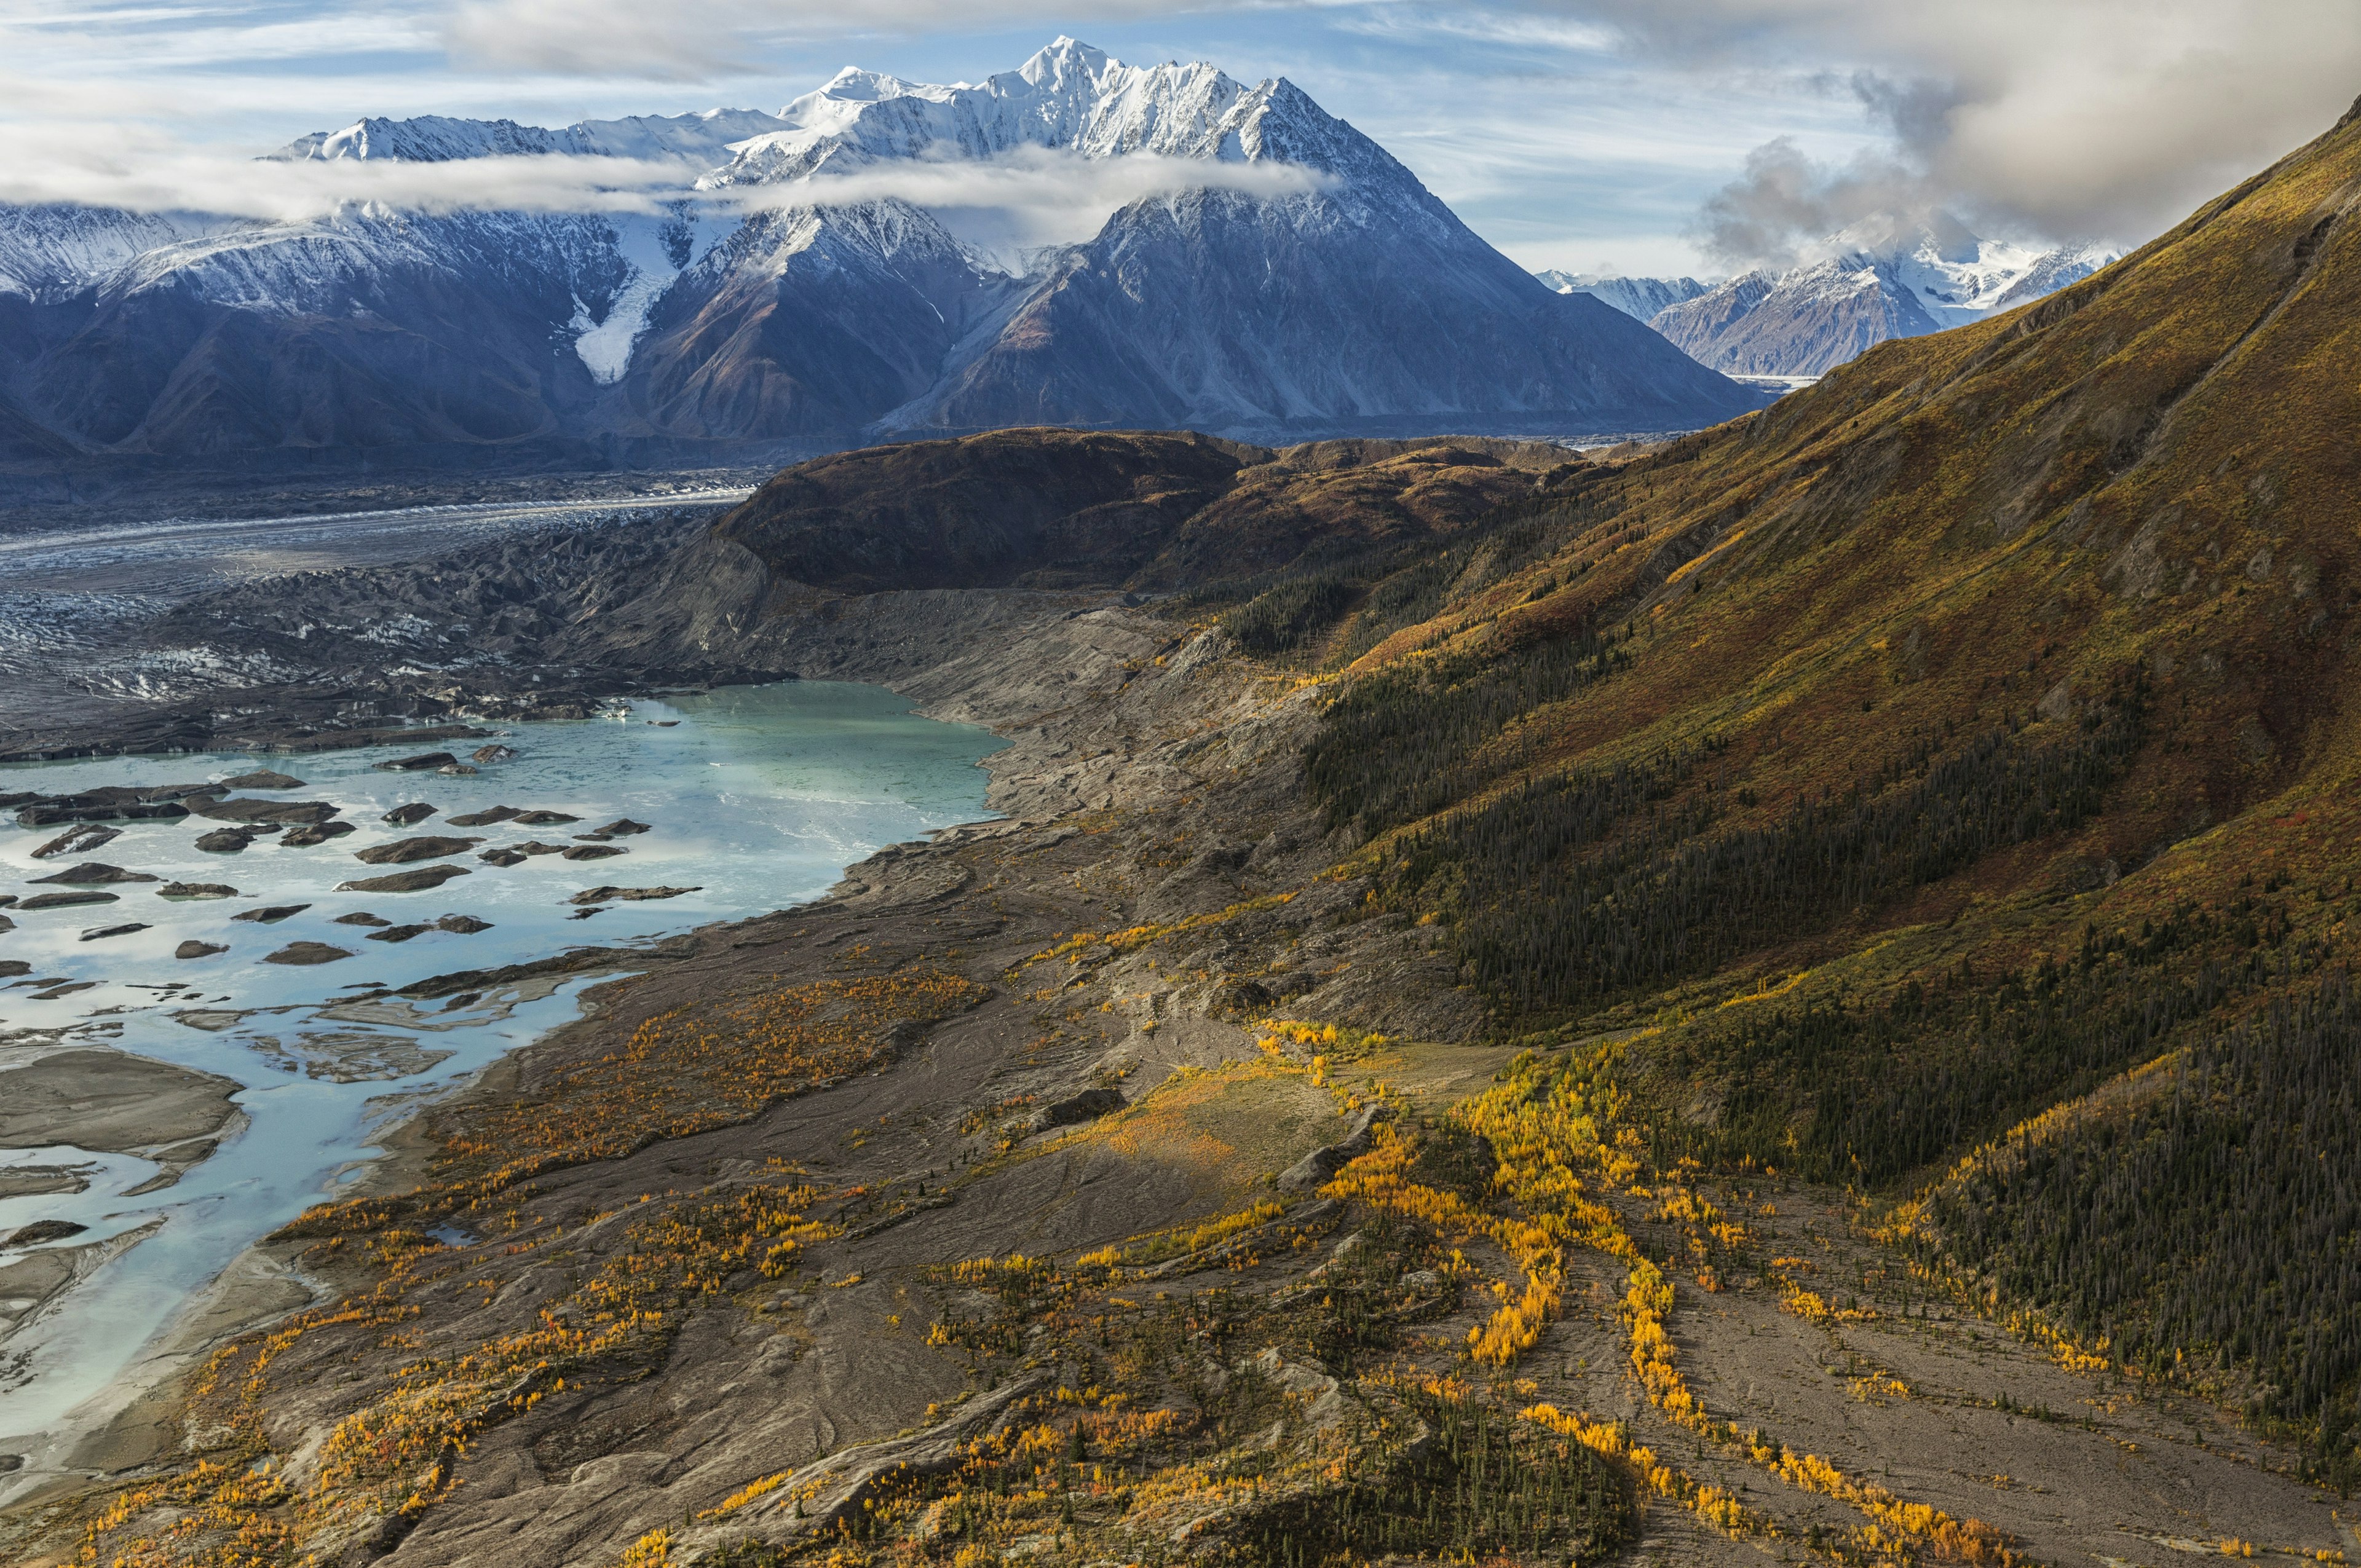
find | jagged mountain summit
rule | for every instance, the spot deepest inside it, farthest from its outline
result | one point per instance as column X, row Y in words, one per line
column 1640, row 298
column 1267, row 271
column 1877, row 279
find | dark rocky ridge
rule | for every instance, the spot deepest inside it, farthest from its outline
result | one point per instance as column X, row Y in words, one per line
column 850, row 567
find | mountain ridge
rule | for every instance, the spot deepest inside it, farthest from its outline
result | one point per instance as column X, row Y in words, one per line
column 1877, row 279
column 1306, row 282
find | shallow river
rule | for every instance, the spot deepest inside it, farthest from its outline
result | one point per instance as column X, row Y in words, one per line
column 757, row 796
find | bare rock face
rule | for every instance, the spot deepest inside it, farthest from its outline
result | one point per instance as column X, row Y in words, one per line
column 417, row 881
column 301, row 953
column 402, row 852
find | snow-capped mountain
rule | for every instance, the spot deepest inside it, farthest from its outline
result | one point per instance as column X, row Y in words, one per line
column 1639, row 298
column 1265, row 270
column 1874, row 280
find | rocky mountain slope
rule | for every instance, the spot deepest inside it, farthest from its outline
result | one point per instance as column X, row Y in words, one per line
column 789, row 296
column 1641, row 298
column 1789, row 988
column 1874, row 281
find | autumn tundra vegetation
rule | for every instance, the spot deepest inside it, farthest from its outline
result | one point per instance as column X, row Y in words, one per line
column 1781, row 992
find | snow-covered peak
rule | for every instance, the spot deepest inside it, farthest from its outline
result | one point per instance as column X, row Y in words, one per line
column 1639, row 298
column 1069, row 97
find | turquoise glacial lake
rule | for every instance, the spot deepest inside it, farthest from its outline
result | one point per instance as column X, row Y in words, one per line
column 756, row 796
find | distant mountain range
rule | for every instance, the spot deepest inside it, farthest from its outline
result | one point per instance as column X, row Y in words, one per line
column 1872, row 282
column 1343, row 299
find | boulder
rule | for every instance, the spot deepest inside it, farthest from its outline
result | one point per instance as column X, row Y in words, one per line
column 544, row 818
column 1087, row 1106
column 66, row 899
column 91, row 873
column 536, row 847
column 404, row 816
column 270, row 914
column 306, row 953
column 486, row 817
column 41, row 1230
column 594, row 851
column 1313, row 1170
column 11, row 968
column 457, row 770
column 362, row 918
column 183, row 891
column 78, row 841
column 495, row 753
column 304, row 838
column 6, row 924
column 265, row 779
column 283, row 813
column 224, row 841
column 501, row 858
column 402, row 852
column 417, row 881
column 198, row 949
column 622, row 826
column 628, row 895
column 421, row 763
column 462, row 925
column 99, row 933
column 398, row 933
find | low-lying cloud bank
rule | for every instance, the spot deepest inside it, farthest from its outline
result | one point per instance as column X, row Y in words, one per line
column 1034, row 196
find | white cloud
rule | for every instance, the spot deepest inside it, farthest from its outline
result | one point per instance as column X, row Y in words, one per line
column 1031, row 196
column 2089, row 118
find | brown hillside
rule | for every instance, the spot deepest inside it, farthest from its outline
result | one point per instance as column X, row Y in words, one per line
column 1057, row 509
column 1966, row 739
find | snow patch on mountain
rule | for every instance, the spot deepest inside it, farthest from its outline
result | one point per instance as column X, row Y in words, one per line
column 1639, row 298
column 1878, row 279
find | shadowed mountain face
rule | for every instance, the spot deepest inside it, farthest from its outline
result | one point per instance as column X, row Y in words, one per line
column 1310, row 286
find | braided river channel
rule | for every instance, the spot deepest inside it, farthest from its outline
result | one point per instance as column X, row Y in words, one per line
column 755, row 798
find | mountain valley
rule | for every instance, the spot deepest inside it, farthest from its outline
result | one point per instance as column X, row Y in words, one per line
column 1781, row 992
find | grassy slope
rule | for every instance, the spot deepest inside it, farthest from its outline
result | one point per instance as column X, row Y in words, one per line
column 2113, row 533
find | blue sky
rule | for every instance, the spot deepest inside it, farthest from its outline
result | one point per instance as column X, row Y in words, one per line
column 1582, row 134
